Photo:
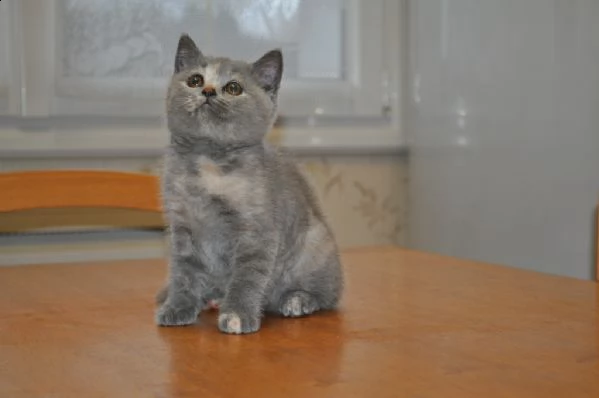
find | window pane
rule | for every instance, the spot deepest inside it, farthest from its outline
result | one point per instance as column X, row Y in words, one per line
column 132, row 38
column 137, row 38
column 114, row 56
column 310, row 33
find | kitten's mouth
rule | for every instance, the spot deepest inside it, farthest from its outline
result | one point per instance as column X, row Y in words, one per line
column 211, row 107
column 204, row 107
column 207, row 103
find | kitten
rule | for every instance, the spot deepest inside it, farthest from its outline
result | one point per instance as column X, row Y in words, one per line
column 245, row 229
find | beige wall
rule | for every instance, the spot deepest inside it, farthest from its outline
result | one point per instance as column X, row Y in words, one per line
column 364, row 197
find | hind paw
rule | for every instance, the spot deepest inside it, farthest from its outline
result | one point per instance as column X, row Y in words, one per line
column 298, row 303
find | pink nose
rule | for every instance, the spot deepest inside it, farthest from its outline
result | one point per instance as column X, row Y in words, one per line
column 208, row 91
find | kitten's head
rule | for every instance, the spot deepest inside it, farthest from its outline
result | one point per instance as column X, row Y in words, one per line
column 221, row 99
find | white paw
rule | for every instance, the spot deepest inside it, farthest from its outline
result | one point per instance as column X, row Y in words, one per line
column 298, row 304
column 294, row 306
column 229, row 323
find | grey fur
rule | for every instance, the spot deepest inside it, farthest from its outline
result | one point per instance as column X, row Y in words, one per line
column 245, row 228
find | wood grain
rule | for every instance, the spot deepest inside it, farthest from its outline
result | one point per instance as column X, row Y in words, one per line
column 411, row 325
column 27, row 190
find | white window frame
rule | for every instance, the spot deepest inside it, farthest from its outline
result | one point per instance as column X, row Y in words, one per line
column 10, row 91
column 359, row 95
column 373, row 87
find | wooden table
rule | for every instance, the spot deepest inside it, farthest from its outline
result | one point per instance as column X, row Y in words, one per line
column 412, row 325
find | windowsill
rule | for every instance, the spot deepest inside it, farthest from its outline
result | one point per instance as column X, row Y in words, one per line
column 149, row 142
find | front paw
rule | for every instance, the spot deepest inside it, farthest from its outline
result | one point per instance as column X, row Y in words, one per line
column 238, row 323
column 169, row 315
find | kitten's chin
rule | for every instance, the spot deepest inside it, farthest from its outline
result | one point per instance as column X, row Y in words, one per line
column 211, row 113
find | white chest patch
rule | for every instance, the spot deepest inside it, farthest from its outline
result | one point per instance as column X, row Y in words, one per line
column 233, row 187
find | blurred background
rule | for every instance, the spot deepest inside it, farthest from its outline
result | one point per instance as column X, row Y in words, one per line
column 461, row 127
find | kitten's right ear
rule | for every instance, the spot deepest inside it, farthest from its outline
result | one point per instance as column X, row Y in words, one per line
column 188, row 55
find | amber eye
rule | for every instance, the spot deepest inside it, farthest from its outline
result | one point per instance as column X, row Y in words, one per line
column 233, row 88
column 196, row 80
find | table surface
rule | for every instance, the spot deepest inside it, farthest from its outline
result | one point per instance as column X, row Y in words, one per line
column 411, row 325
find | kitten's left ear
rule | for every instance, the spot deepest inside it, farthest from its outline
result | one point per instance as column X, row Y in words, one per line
column 268, row 71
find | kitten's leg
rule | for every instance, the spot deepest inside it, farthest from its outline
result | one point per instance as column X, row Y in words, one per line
column 161, row 295
column 183, row 300
column 317, row 286
column 241, row 308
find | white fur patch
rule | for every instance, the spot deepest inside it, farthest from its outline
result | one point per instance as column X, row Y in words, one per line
column 213, row 304
column 211, row 75
column 230, row 186
column 295, row 306
column 233, row 323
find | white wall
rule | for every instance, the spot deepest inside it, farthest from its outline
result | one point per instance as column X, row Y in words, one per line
column 503, row 122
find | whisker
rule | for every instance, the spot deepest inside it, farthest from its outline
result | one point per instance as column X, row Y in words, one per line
column 219, row 104
column 189, row 103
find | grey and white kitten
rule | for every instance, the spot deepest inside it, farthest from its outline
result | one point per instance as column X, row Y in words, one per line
column 245, row 228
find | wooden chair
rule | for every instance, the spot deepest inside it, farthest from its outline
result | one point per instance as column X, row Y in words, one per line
column 27, row 190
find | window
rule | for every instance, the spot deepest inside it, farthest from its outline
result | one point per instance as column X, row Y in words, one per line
column 85, row 58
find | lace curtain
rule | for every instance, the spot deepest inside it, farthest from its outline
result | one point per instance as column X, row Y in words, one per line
column 113, row 57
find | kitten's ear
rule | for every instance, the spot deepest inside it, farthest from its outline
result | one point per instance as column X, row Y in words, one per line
column 188, row 55
column 268, row 71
